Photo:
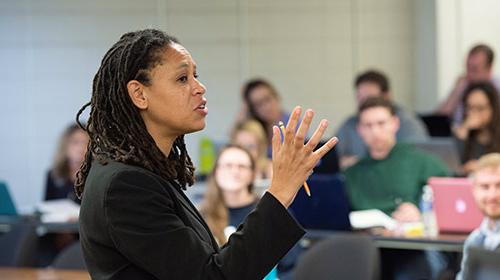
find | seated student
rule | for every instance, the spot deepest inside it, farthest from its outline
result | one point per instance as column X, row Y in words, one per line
column 390, row 178
column 373, row 83
column 479, row 132
column 60, row 184
column 486, row 191
column 229, row 197
column 261, row 102
column 251, row 136
column 69, row 156
column 479, row 68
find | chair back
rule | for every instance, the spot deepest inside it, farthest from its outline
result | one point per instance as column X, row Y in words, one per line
column 18, row 246
column 346, row 256
column 70, row 257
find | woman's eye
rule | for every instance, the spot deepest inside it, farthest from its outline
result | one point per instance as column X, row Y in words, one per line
column 196, row 75
column 183, row 79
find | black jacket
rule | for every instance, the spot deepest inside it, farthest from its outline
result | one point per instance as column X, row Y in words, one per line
column 135, row 225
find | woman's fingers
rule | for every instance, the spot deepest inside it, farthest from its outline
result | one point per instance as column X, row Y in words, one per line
column 316, row 137
column 303, row 128
column 292, row 124
column 326, row 147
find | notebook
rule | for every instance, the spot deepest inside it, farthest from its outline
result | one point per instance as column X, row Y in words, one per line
column 454, row 205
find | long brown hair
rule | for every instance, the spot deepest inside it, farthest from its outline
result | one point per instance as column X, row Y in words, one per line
column 116, row 129
column 248, row 89
column 255, row 128
column 60, row 168
column 213, row 208
column 493, row 126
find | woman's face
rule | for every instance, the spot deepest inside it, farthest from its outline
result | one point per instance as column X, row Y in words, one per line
column 266, row 105
column 234, row 170
column 249, row 141
column 77, row 146
column 478, row 109
column 175, row 97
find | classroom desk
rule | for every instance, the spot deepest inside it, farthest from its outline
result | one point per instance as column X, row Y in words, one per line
column 6, row 223
column 67, row 227
column 10, row 273
column 442, row 242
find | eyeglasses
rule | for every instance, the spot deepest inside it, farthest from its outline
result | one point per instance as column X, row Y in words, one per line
column 477, row 108
column 228, row 166
column 262, row 101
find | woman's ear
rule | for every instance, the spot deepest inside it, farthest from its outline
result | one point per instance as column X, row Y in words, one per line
column 137, row 94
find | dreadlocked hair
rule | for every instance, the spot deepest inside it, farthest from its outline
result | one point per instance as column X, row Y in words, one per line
column 117, row 131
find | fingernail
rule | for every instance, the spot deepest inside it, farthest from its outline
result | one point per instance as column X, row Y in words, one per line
column 324, row 123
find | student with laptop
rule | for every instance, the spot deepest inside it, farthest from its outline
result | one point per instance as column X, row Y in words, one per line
column 486, row 191
column 390, row 178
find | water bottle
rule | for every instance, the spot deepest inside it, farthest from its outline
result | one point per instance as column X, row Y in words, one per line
column 427, row 210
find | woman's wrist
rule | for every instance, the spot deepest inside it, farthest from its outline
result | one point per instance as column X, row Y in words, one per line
column 283, row 198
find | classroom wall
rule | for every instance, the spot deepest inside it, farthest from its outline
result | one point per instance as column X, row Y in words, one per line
column 310, row 50
column 460, row 24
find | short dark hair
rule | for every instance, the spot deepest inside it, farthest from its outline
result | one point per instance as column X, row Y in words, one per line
column 482, row 48
column 373, row 76
column 374, row 102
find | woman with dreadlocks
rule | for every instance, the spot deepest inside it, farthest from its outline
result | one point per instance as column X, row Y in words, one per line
column 135, row 220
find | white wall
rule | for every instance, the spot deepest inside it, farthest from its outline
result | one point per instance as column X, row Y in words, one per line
column 426, row 80
column 310, row 50
column 50, row 51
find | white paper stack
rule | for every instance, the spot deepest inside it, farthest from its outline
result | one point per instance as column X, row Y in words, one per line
column 371, row 218
column 58, row 211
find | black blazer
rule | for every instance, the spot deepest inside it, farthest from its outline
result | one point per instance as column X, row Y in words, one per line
column 136, row 225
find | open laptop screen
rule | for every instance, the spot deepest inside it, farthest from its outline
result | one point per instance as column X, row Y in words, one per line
column 7, row 207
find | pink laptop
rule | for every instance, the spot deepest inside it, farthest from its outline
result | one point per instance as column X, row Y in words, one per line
column 455, row 208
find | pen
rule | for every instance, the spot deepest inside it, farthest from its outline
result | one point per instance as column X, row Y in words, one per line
column 282, row 128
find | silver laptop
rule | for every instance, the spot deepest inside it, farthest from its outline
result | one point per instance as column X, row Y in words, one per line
column 444, row 148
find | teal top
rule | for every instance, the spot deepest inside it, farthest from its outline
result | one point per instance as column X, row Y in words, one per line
column 384, row 184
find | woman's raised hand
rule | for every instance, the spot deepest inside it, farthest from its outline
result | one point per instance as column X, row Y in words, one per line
column 294, row 160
